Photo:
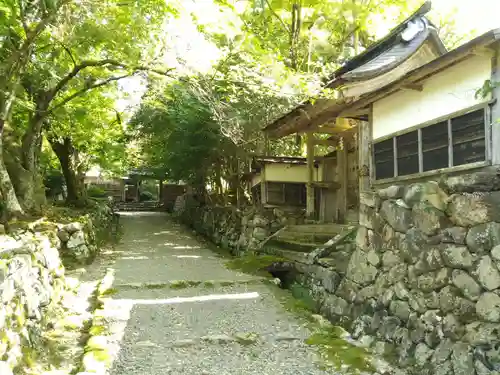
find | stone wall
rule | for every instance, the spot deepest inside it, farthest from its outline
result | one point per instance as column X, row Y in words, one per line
column 231, row 228
column 34, row 293
column 423, row 283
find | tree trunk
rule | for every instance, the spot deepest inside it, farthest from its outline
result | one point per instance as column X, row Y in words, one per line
column 65, row 152
column 9, row 197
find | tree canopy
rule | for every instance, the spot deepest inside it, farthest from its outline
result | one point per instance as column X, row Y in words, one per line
column 210, row 73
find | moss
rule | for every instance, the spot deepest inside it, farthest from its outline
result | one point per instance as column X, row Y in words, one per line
column 339, row 352
column 29, row 356
column 182, row 284
column 97, row 330
column 109, row 292
column 246, row 338
column 209, row 284
column 254, row 264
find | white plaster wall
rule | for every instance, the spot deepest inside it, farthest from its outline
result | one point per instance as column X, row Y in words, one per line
column 289, row 173
column 444, row 93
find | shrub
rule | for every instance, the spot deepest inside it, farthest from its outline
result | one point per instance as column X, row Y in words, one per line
column 96, row 192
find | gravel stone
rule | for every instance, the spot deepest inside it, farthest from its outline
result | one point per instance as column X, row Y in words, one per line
column 189, row 334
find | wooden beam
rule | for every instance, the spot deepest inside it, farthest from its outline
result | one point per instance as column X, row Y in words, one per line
column 325, row 142
column 495, row 111
column 484, row 52
column 414, row 87
column 364, row 139
column 342, row 179
column 310, row 176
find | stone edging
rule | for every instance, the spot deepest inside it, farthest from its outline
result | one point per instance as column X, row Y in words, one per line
column 97, row 358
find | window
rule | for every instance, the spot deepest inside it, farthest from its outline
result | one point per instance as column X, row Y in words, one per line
column 290, row 194
column 459, row 140
column 435, row 141
column 384, row 159
column 469, row 144
column 407, row 153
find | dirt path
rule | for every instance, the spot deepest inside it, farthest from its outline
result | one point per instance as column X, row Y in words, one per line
column 180, row 311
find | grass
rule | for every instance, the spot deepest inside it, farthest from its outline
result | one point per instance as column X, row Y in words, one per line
column 254, row 264
column 338, row 352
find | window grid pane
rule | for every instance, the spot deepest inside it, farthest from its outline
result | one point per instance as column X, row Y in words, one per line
column 435, row 146
column 459, row 141
column 384, row 159
column 407, row 153
column 468, row 134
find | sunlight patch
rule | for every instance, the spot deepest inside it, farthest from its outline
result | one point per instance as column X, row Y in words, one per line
column 162, row 232
column 186, row 247
column 135, row 258
column 187, row 256
column 175, row 300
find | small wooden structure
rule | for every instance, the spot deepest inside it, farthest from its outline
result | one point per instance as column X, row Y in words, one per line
column 346, row 122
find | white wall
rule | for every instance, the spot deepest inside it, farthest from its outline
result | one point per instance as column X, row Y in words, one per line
column 289, row 173
column 444, row 93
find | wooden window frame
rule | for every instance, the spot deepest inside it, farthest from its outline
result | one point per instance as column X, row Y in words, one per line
column 485, row 106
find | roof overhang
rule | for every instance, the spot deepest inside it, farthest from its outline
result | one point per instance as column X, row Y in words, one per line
column 309, row 116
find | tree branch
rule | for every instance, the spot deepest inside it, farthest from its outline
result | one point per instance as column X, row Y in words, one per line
column 277, row 16
column 99, row 63
column 87, row 88
column 68, row 51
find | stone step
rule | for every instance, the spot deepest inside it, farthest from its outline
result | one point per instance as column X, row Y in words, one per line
column 304, row 237
column 293, row 245
column 330, row 228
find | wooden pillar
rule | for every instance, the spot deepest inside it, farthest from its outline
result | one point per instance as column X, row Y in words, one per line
column 343, row 180
column 263, row 185
column 310, row 176
column 495, row 109
column 160, row 190
column 364, row 149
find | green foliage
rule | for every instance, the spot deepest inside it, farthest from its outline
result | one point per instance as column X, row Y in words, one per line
column 338, row 352
column 254, row 264
column 96, row 192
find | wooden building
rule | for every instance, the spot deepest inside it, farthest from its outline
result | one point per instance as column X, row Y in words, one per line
column 386, row 96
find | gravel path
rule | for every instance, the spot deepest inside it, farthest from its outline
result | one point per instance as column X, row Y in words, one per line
column 225, row 323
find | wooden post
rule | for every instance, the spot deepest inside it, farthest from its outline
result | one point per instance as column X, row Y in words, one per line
column 495, row 109
column 343, row 179
column 263, row 185
column 310, row 176
column 364, row 139
column 160, row 190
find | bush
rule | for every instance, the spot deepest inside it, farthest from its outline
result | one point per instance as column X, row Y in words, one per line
column 146, row 196
column 96, row 192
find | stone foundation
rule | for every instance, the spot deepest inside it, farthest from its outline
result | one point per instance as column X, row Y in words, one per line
column 233, row 229
column 34, row 293
column 423, row 283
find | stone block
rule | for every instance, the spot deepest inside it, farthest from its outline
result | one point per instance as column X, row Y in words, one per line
column 488, row 274
column 360, row 270
column 415, row 242
column 401, row 309
column 455, row 256
column 488, row 307
column 467, row 285
column 429, row 219
column 472, row 209
column 397, row 216
column 370, row 199
column 428, row 193
column 391, row 192
column 454, row 235
column 483, row 237
column 462, row 359
column 473, row 182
